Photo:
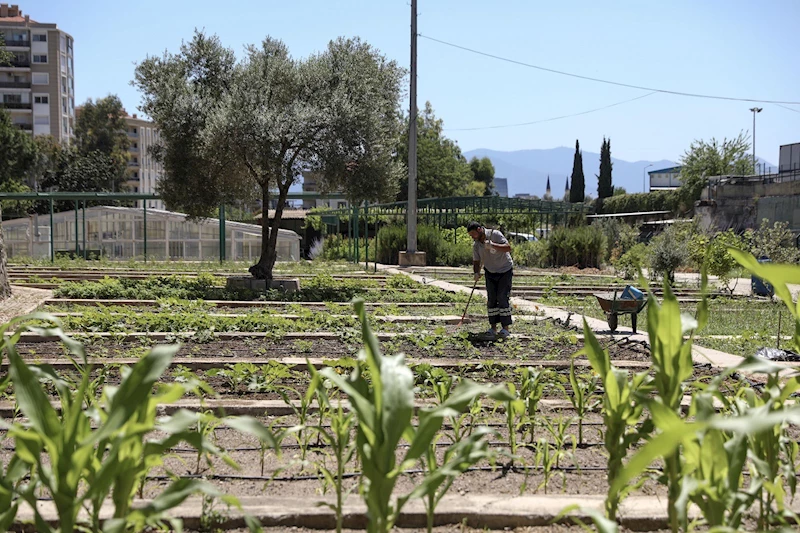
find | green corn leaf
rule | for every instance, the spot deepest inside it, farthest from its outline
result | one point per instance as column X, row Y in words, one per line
column 32, row 400
column 252, row 426
column 136, row 386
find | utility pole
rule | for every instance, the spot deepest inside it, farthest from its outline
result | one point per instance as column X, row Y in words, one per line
column 755, row 110
column 411, row 246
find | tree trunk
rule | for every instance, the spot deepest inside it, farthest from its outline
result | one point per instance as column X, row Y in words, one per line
column 269, row 234
column 5, row 287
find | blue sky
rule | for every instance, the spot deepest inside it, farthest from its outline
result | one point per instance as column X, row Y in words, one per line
column 727, row 48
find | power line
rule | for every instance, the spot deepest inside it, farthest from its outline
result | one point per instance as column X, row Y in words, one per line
column 598, row 80
column 552, row 118
column 789, row 108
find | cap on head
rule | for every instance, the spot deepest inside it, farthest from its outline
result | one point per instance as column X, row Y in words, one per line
column 473, row 226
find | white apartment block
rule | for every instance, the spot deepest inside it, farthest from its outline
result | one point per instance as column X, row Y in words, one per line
column 38, row 88
column 143, row 170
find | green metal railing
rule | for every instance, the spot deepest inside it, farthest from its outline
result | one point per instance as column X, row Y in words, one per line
column 454, row 212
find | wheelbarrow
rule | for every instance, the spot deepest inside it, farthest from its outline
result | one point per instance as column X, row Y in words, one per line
column 613, row 306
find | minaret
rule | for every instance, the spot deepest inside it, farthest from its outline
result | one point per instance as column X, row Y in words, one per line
column 566, row 188
column 547, row 191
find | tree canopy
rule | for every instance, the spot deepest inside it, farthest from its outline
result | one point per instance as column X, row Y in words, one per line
column 713, row 158
column 101, row 127
column 231, row 128
column 442, row 170
column 483, row 172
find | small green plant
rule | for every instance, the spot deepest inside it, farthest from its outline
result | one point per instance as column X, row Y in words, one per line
column 531, row 390
column 623, row 403
column 96, row 448
column 384, row 409
column 582, row 396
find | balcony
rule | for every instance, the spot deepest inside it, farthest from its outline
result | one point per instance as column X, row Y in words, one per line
column 133, row 163
column 15, row 105
column 25, row 63
column 17, row 43
column 15, row 85
column 25, row 127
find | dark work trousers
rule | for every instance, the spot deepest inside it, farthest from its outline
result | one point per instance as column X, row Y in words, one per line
column 498, row 292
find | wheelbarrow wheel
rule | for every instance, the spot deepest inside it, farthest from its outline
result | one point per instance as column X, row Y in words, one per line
column 612, row 321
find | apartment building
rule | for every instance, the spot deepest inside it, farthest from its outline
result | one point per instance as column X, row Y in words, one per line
column 38, row 88
column 143, row 170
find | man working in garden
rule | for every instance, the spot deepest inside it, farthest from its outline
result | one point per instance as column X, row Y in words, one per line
column 492, row 249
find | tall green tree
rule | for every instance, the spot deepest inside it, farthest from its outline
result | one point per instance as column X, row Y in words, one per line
column 101, row 127
column 228, row 128
column 704, row 159
column 483, row 172
column 578, row 184
column 605, row 189
column 17, row 153
column 442, row 170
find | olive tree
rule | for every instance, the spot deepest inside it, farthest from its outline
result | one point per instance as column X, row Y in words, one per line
column 231, row 130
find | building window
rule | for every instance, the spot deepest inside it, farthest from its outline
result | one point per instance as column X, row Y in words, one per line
column 40, row 37
column 41, row 78
column 40, row 58
column 12, row 98
column 41, row 100
column 41, row 120
column 65, row 125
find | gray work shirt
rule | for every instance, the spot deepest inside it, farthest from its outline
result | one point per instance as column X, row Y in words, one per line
column 497, row 262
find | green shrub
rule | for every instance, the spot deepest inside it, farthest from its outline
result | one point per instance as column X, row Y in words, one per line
column 632, row 261
column 582, row 246
column 776, row 242
column 392, row 240
column 652, row 201
column 620, row 237
column 669, row 252
column 531, row 254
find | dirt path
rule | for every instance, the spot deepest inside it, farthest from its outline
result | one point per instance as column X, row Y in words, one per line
column 23, row 301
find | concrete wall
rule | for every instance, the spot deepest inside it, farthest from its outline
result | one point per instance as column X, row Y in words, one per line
column 742, row 203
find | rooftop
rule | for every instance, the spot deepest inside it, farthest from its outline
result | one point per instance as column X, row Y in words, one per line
column 670, row 170
column 12, row 13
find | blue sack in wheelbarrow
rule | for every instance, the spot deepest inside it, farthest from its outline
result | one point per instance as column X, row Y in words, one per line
column 631, row 293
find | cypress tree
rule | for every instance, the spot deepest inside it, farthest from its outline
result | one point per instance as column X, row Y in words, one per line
column 605, row 189
column 576, row 190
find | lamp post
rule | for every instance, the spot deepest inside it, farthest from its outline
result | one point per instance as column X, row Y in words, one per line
column 755, row 110
column 643, row 172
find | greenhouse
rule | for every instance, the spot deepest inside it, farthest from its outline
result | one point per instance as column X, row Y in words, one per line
column 126, row 233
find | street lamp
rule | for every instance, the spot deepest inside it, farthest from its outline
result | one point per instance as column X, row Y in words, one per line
column 755, row 110
column 645, row 168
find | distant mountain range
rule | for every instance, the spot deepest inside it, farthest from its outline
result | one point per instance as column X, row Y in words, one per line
column 527, row 170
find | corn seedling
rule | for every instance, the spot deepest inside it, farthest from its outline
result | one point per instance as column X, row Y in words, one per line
column 565, row 444
column 80, row 466
column 384, row 410
column 342, row 447
column 622, row 407
column 546, row 457
column 583, row 396
column 515, row 407
column 530, row 391
column 459, row 456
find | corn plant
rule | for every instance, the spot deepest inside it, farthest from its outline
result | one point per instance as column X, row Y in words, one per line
column 514, row 409
column 582, row 397
column 546, row 456
column 531, row 390
column 79, row 466
column 459, row 456
column 565, row 444
column 759, row 417
column 339, row 439
column 384, row 410
column 622, row 407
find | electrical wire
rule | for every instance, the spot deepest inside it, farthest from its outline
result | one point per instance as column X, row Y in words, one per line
column 789, row 108
column 552, row 118
column 609, row 82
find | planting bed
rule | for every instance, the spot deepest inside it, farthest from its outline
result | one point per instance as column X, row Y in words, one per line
column 546, row 434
